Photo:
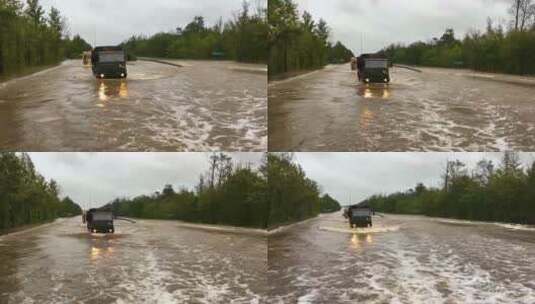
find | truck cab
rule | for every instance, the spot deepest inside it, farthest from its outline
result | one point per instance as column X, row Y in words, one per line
column 359, row 216
column 109, row 62
column 99, row 221
column 373, row 68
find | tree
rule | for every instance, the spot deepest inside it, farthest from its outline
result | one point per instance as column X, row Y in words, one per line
column 34, row 11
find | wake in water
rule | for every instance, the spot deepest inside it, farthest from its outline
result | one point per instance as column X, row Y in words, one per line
column 360, row 230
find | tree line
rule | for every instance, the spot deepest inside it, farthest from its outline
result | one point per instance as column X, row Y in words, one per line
column 275, row 193
column 227, row 194
column 244, row 38
column 292, row 195
column 26, row 197
column 29, row 36
column 495, row 50
column 503, row 192
column 299, row 42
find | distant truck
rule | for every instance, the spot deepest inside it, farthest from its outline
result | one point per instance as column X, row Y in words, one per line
column 86, row 58
column 99, row 221
column 353, row 63
column 359, row 215
column 109, row 62
column 373, row 68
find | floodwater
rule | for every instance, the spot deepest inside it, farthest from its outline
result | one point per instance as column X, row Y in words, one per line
column 201, row 106
column 144, row 262
column 402, row 259
column 436, row 110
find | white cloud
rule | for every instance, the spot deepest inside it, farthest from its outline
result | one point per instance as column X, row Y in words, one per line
column 382, row 22
column 93, row 179
column 112, row 22
column 359, row 175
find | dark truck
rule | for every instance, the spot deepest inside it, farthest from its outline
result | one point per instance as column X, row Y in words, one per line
column 359, row 215
column 373, row 68
column 109, row 62
column 99, row 221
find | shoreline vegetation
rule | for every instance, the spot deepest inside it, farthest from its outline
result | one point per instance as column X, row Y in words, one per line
column 26, row 197
column 31, row 38
column 242, row 39
column 235, row 195
column 26, row 72
column 488, row 192
column 496, row 50
column 299, row 42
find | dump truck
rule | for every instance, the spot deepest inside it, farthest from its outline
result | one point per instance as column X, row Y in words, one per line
column 99, row 221
column 359, row 215
column 373, row 68
column 109, row 62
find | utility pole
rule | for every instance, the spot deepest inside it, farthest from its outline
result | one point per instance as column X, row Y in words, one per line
column 361, row 43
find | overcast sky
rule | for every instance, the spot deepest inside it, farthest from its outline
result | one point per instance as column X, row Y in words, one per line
column 360, row 175
column 94, row 179
column 383, row 22
column 116, row 21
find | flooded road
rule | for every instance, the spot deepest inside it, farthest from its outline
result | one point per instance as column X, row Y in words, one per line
column 437, row 110
column 200, row 106
column 146, row 262
column 402, row 259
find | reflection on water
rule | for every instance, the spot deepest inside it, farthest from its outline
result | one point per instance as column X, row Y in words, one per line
column 357, row 240
column 112, row 88
column 366, row 117
column 100, row 252
column 369, row 91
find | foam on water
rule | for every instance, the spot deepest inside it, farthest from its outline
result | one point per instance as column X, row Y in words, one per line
column 360, row 230
column 516, row 227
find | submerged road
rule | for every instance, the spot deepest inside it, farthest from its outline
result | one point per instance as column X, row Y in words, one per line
column 437, row 110
column 402, row 259
column 146, row 262
column 201, row 106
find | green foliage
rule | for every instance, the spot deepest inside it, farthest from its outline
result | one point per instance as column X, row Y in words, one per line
column 329, row 204
column 299, row 43
column 339, row 53
column 236, row 195
column 30, row 37
column 493, row 51
column 227, row 194
column 75, row 47
column 292, row 196
column 505, row 194
column 241, row 39
column 26, row 197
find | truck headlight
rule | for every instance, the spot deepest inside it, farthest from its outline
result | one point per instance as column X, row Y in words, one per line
column 367, row 79
column 101, row 75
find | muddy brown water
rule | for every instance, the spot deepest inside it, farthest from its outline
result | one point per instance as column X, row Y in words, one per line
column 146, row 262
column 201, row 106
column 402, row 259
column 437, row 110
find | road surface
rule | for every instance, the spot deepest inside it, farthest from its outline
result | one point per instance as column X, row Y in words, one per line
column 437, row 110
column 402, row 259
column 202, row 106
column 145, row 262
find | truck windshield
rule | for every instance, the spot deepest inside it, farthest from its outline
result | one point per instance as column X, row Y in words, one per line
column 100, row 216
column 376, row 64
column 361, row 212
column 111, row 56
